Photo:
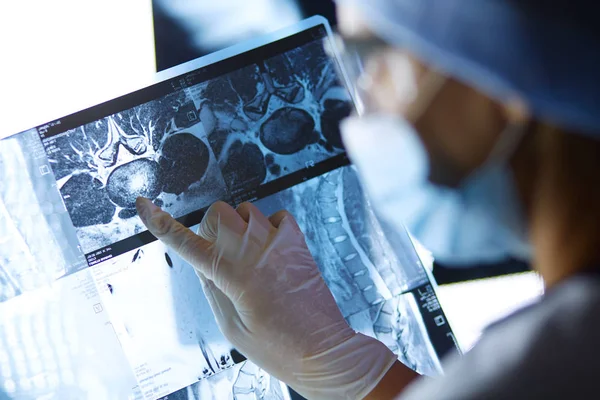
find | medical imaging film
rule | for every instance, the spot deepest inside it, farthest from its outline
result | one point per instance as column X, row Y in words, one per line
column 38, row 244
column 216, row 140
column 158, row 150
column 92, row 306
column 276, row 117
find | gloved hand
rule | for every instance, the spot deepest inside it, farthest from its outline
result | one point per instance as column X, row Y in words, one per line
column 271, row 302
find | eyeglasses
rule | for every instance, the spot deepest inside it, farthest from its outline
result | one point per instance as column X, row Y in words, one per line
column 354, row 54
column 384, row 78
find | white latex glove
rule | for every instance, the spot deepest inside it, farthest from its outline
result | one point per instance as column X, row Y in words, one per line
column 271, row 302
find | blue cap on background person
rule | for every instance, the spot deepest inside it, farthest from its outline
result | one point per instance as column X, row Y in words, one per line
column 544, row 51
column 541, row 53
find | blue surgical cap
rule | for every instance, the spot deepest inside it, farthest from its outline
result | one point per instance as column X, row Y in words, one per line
column 546, row 52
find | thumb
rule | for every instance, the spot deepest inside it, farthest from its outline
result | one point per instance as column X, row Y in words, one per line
column 191, row 247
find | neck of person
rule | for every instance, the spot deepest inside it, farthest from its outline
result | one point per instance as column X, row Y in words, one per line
column 558, row 176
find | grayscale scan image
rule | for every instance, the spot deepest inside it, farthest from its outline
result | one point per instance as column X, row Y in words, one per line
column 37, row 241
column 158, row 150
column 368, row 279
column 212, row 141
column 273, row 118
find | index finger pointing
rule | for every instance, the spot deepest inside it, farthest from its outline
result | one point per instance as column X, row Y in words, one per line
column 188, row 245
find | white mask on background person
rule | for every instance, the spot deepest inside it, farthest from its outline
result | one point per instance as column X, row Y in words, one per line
column 480, row 221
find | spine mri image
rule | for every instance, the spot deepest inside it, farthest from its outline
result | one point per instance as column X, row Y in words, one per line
column 213, row 141
column 368, row 279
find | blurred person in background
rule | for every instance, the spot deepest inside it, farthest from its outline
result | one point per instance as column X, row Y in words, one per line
column 492, row 109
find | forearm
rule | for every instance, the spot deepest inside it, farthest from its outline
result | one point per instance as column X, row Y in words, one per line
column 393, row 383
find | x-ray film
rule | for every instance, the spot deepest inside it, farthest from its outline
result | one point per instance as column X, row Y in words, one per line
column 92, row 306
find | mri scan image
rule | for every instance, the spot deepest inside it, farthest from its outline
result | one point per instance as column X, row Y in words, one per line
column 38, row 244
column 216, row 140
column 273, row 118
column 158, row 150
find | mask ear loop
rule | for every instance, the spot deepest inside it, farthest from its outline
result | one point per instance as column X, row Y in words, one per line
column 512, row 135
column 506, row 145
column 501, row 153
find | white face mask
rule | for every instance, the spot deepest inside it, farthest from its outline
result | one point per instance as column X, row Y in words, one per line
column 481, row 221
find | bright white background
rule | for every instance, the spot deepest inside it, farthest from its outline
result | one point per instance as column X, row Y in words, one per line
column 59, row 56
